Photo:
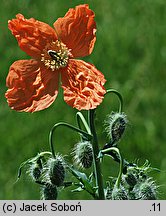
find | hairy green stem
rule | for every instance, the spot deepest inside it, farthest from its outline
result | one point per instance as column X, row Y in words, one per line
column 44, row 153
column 89, row 136
column 80, row 118
column 97, row 168
column 121, row 163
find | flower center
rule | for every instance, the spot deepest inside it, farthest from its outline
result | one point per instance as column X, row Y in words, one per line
column 55, row 55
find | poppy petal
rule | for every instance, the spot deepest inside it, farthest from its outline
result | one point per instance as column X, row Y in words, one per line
column 83, row 85
column 77, row 30
column 32, row 35
column 31, row 88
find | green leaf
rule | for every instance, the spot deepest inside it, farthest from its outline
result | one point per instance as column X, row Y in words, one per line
column 84, row 180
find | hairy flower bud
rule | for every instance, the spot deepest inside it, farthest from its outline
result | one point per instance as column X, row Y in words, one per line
column 116, row 126
column 146, row 190
column 49, row 192
column 119, row 193
column 56, row 170
column 83, row 154
column 36, row 170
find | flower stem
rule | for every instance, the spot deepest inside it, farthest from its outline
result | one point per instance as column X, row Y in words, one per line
column 44, row 153
column 119, row 96
column 121, row 163
column 80, row 118
column 89, row 136
column 97, row 168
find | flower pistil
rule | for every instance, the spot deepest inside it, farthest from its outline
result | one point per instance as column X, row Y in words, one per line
column 55, row 55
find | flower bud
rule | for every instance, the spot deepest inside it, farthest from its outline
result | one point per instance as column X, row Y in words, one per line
column 119, row 193
column 146, row 190
column 132, row 196
column 49, row 192
column 36, row 170
column 83, row 154
column 56, row 170
column 116, row 126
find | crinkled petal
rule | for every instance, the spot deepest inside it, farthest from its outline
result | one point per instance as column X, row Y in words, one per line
column 32, row 35
column 77, row 30
column 83, row 85
column 31, row 87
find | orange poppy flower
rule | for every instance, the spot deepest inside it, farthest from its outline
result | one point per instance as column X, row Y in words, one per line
column 33, row 84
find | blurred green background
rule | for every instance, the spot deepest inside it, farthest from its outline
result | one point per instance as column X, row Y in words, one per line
column 131, row 52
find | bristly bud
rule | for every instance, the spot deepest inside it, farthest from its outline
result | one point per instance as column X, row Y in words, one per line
column 116, row 126
column 119, row 193
column 49, row 192
column 83, row 154
column 36, row 170
column 146, row 190
column 56, row 170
